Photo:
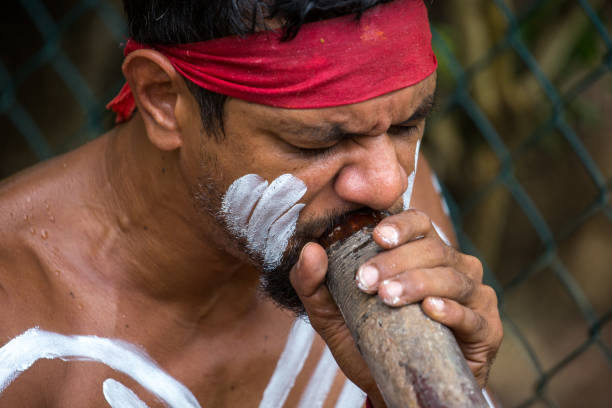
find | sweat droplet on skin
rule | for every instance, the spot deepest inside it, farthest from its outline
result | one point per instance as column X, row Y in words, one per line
column 44, row 234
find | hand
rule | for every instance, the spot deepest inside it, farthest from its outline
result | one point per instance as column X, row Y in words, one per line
column 416, row 266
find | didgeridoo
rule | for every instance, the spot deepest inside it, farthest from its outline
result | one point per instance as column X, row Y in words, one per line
column 415, row 361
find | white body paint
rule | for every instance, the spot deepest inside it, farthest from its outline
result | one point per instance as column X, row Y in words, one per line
column 438, row 188
column 266, row 215
column 351, row 396
column 24, row 350
column 320, row 382
column 119, row 396
column 407, row 196
column 289, row 365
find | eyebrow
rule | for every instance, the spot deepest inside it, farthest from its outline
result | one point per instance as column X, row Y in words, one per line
column 335, row 132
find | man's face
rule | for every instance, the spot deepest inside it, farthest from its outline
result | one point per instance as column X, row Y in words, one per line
column 332, row 161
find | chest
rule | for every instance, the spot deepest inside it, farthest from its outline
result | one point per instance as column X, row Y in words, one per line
column 294, row 370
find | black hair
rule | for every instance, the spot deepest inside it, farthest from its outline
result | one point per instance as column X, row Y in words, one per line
column 185, row 21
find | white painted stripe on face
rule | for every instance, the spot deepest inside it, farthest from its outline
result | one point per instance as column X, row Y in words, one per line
column 239, row 201
column 321, row 381
column 351, row 396
column 119, row 396
column 24, row 350
column 266, row 215
column 278, row 238
column 289, row 364
column 282, row 194
column 407, row 196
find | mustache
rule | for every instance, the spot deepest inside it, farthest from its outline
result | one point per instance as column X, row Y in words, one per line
column 310, row 230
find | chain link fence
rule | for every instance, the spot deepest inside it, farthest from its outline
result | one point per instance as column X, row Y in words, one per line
column 521, row 141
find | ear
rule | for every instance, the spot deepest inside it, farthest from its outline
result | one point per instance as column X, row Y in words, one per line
column 159, row 92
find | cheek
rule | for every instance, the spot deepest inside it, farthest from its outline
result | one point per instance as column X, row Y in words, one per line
column 263, row 213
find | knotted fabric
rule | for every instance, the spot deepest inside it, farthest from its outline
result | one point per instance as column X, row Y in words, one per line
column 333, row 62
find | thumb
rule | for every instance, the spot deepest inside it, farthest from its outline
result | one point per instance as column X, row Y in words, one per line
column 308, row 275
column 308, row 280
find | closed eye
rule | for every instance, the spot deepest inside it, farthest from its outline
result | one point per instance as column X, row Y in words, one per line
column 319, row 152
column 403, row 130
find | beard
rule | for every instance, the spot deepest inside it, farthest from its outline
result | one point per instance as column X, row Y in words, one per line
column 274, row 282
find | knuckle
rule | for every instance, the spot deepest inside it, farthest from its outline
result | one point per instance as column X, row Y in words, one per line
column 415, row 285
column 437, row 251
column 420, row 218
column 466, row 289
column 474, row 267
column 490, row 295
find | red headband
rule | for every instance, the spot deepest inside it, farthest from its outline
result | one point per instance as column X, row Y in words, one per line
column 330, row 63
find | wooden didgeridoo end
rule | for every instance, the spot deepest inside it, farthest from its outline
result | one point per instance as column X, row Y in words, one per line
column 415, row 361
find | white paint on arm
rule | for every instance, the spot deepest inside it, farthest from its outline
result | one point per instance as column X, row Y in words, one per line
column 436, row 184
column 407, row 195
column 289, row 364
column 24, row 350
column 441, row 234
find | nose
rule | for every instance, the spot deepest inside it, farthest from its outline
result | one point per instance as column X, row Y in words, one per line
column 372, row 175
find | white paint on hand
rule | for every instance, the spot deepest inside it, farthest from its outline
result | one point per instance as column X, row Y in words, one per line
column 289, row 364
column 351, row 396
column 320, row 382
column 407, row 196
column 119, row 396
column 24, row 350
column 266, row 215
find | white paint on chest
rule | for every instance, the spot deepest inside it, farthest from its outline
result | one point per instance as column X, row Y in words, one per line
column 19, row 354
column 407, row 196
column 266, row 215
column 119, row 396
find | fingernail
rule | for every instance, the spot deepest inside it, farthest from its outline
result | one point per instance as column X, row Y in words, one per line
column 437, row 304
column 388, row 234
column 367, row 276
column 393, row 291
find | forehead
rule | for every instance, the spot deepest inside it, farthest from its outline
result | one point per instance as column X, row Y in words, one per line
column 370, row 117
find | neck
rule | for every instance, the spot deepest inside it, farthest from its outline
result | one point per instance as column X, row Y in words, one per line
column 162, row 246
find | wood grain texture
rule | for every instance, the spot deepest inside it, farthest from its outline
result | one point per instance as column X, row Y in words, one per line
column 415, row 361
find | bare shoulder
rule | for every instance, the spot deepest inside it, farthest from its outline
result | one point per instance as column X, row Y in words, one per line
column 428, row 198
column 23, row 282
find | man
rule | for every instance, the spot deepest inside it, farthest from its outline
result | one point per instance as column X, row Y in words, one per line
column 130, row 268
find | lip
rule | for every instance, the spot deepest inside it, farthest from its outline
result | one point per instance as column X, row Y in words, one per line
column 350, row 223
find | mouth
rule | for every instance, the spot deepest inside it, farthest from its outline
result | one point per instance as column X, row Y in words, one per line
column 345, row 225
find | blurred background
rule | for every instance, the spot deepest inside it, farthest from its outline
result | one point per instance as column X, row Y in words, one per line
column 521, row 141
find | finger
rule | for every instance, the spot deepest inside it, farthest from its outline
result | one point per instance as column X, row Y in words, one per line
column 403, row 227
column 467, row 324
column 420, row 254
column 479, row 335
column 416, row 284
